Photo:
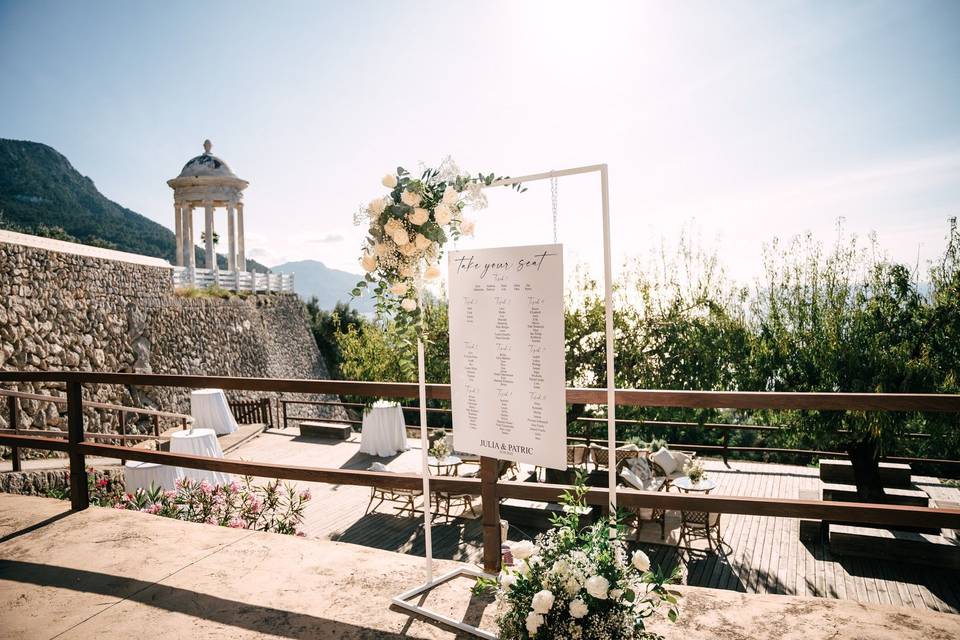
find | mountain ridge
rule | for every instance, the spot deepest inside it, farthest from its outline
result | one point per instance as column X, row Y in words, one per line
column 312, row 278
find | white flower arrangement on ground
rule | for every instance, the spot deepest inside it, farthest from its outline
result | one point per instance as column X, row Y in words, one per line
column 580, row 584
column 408, row 228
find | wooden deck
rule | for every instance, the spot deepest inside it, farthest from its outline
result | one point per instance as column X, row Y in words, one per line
column 761, row 554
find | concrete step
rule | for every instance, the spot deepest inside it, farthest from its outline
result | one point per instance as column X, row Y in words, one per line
column 904, row 546
column 836, row 492
column 325, row 430
column 841, row 472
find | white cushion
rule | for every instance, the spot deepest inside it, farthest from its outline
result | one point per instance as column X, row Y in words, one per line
column 640, row 467
column 665, row 460
column 681, row 459
column 632, row 479
column 378, row 466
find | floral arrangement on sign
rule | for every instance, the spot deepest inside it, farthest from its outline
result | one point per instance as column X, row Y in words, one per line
column 408, row 228
column 581, row 584
column 695, row 471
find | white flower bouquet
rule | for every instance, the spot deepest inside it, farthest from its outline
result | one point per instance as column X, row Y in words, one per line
column 408, row 228
column 580, row 584
column 695, row 471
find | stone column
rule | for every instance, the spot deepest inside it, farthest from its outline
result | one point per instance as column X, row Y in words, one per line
column 208, row 223
column 191, row 247
column 231, row 240
column 178, row 229
column 241, row 252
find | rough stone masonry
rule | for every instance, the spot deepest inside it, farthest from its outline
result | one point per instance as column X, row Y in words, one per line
column 69, row 311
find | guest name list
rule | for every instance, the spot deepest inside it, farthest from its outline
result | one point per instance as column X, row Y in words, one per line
column 506, row 353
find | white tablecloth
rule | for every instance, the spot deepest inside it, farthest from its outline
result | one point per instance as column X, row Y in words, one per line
column 210, row 410
column 199, row 442
column 383, row 433
column 140, row 475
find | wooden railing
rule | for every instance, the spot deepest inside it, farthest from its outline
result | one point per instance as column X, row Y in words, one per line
column 944, row 467
column 488, row 486
column 13, row 420
column 252, row 411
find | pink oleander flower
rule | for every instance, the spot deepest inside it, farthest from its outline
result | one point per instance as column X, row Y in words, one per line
column 154, row 508
column 237, row 523
column 206, row 488
column 234, row 486
column 170, row 494
column 305, row 495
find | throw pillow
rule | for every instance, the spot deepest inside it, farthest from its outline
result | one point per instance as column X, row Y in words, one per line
column 640, row 467
column 681, row 459
column 632, row 479
column 664, row 460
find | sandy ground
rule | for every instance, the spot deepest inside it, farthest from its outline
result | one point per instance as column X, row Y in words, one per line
column 104, row 573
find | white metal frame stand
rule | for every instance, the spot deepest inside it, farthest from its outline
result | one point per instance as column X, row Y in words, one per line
column 402, row 600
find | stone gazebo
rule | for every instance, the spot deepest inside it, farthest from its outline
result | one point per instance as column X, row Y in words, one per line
column 206, row 181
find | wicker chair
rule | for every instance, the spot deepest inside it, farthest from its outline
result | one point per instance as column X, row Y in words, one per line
column 668, row 478
column 601, row 455
column 699, row 524
column 405, row 500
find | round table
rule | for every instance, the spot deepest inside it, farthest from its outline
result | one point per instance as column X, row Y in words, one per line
column 706, row 485
column 210, row 410
column 141, row 475
column 449, row 466
column 199, row 442
column 383, row 433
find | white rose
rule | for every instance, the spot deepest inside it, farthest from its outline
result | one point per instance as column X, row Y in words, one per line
column 640, row 560
column 450, row 195
column 597, row 587
column 421, row 241
column 380, row 249
column 410, row 198
column 523, row 550
column 399, row 289
column 534, row 620
column 542, row 601
column 389, row 181
column 442, row 214
column 578, row 608
column 401, row 237
column 369, row 262
column 432, row 272
column 418, row 216
column 507, row 580
column 408, row 249
column 408, row 304
column 615, row 594
column 467, row 227
column 376, row 207
column 392, row 225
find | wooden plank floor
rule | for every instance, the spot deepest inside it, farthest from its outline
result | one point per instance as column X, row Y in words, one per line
column 760, row 555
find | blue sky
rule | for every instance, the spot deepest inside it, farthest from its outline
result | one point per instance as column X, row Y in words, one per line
column 734, row 121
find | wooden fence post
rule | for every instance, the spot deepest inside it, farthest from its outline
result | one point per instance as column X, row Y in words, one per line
column 79, row 493
column 283, row 403
column 14, row 406
column 491, row 515
column 123, row 432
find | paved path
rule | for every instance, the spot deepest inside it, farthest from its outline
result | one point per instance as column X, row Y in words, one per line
column 103, row 573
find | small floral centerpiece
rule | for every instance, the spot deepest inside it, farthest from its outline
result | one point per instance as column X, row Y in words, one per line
column 407, row 230
column 440, row 449
column 695, row 471
column 581, row 584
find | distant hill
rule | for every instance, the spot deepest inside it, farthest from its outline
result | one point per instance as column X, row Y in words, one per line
column 315, row 279
column 42, row 194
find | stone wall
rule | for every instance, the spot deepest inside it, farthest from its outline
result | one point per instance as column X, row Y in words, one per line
column 68, row 311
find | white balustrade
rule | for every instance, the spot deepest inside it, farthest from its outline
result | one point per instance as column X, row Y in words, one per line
column 233, row 280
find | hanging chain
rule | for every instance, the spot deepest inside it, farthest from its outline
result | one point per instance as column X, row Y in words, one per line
column 553, row 202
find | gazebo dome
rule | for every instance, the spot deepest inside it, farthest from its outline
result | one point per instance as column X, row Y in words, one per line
column 206, row 165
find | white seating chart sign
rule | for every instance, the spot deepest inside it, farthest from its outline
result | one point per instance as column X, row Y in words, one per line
column 508, row 386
